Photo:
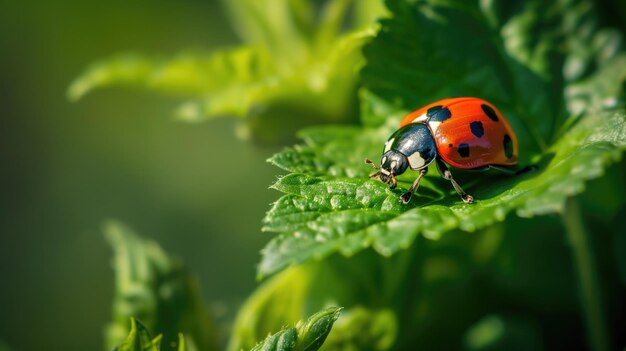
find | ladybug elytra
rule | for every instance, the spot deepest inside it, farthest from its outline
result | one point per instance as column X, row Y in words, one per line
column 464, row 132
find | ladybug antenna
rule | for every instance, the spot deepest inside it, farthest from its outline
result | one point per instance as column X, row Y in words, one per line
column 368, row 161
column 375, row 174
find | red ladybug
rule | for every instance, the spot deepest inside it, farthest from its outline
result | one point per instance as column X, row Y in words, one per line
column 465, row 132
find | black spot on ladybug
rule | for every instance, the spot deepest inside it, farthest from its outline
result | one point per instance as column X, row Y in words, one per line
column 508, row 146
column 489, row 112
column 477, row 129
column 464, row 150
column 450, row 145
column 431, row 111
column 438, row 114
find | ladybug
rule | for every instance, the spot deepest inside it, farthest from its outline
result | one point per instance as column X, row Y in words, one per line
column 464, row 132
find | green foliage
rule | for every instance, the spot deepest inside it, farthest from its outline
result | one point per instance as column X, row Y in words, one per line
column 308, row 335
column 300, row 291
column 330, row 205
column 390, row 302
column 364, row 329
column 284, row 340
column 157, row 290
column 139, row 339
column 289, row 296
column 235, row 75
column 299, row 60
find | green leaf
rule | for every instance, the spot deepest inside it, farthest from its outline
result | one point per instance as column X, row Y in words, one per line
column 235, row 78
column 299, row 30
column 313, row 332
column 300, row 59
column 301, row 291
column 347, row 212
column 157, row 290
column 182, row 345
column 286, row 297
column 306, row 336
column 517, row 64
column 139, row 339
column 423, row 54
column 363, row 329
column 284, row 340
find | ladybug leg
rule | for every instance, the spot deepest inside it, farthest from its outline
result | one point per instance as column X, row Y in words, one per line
column 445, row 173
column 407, row 196
column 393, row 181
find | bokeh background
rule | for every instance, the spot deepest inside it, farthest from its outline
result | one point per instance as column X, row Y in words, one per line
column 67, row 167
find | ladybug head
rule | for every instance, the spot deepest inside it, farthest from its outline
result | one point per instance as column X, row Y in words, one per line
column 393, row 163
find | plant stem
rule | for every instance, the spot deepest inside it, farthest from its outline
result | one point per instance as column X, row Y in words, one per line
column 590, row 296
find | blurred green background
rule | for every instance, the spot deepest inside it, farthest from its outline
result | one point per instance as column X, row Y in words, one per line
column 66, row 167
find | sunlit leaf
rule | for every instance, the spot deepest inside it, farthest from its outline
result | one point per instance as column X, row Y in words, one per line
column 299, row 66
column 528, row 53
column 156, row 290
column 330, row 205
column 308, row 335
column 233, row 79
